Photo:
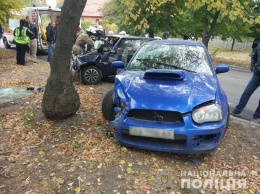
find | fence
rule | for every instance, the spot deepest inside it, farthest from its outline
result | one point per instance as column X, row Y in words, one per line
column 245, row 45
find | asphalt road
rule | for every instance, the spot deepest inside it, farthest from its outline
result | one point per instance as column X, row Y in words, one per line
column 232, row 82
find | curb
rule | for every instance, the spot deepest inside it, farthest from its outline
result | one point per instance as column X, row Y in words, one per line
column 239, row 68
column 239, row 120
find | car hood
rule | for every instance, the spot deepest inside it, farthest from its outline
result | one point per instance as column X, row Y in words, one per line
column 89, row 57
column 160, row 93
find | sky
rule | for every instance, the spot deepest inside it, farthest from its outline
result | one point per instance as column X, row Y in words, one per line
column 51, row 3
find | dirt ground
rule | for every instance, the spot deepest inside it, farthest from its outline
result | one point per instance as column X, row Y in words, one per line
column 79, row 155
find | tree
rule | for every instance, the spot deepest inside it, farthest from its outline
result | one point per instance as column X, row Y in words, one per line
column 85, row 24
column 60, row 2
column 142, row 16
column 8, row 9
column 211, row 11
column 60, row 99
column 197, row 17
column 254, row 13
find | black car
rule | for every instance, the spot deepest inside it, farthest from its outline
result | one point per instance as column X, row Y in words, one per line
column 96, row 65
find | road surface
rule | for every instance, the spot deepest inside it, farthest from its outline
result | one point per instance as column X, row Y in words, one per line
column 233, row 83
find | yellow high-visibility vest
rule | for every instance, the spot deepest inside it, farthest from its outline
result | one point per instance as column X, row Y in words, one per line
column 23, row 38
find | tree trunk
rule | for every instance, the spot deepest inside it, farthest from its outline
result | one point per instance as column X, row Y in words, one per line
column 233, row 44
column 208, row 33
column 60, row 99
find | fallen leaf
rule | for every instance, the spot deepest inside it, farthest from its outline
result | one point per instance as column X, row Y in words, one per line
column 77, row 190
column 80, row 179
column 100, row 165
column 41, row 153
column 123, row 149
column 71, row 170
column 251, row 191
column 129, row 170
column 122, row 162
column 254, row 173
column 255, row 157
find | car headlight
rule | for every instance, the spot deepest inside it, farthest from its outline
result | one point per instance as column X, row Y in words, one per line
column 208, row 113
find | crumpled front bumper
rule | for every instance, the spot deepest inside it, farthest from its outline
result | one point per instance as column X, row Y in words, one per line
column 189, row 138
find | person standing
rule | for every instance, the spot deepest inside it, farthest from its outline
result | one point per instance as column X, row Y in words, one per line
column 51, row 33
column 253, row 84
column 33, row 39
column 100, row 33
column 82, row 40
column 21, row 38
column 254, row 45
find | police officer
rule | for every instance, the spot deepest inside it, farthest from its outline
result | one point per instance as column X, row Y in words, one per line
column 21, row 38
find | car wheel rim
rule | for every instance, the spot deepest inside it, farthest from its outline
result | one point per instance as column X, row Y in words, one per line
column 91, row 75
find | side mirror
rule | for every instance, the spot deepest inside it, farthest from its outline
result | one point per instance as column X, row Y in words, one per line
column 118, row 64
column 222, row 69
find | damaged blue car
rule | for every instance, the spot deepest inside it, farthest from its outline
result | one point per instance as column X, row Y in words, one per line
column 168, row 98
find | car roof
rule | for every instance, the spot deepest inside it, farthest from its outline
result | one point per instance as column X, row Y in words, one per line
column 178, row 42
column 44, row 8
column 128, row 37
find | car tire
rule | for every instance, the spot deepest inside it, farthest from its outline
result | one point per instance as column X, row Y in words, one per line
column 91, row 75
column 7, row 46
column 108, row 106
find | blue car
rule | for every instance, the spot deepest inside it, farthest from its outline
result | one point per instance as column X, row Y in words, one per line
column 168, row 98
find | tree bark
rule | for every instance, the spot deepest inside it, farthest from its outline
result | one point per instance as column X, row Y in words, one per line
column 60, row 99
column 208, row 33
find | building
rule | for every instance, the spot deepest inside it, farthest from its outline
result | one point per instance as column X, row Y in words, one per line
column 92, row 11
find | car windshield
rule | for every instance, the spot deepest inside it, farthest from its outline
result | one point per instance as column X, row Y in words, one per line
column 182, row 57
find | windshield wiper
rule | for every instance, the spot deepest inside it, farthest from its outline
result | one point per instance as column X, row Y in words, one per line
column 175, row 66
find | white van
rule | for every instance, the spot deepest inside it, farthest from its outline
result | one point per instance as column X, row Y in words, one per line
column 41, row 16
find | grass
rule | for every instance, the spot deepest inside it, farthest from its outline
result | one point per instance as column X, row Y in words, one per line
column 238, row 58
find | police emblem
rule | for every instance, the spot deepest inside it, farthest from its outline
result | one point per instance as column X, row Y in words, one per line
column 164, row 180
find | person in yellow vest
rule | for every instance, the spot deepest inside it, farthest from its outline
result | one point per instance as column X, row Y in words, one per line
column 21, row 38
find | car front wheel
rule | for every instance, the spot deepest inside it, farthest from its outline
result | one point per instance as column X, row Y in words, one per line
column 91, row 75
column 108, row 106
column 7, row 46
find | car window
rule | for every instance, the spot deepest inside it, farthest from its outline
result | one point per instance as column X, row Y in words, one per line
column 130, row 45
column 184, row 57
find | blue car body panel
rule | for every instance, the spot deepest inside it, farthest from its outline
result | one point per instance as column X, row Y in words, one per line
column 167, row 94
column 174, row 95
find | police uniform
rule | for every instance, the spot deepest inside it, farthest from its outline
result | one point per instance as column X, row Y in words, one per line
column 21, row 38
